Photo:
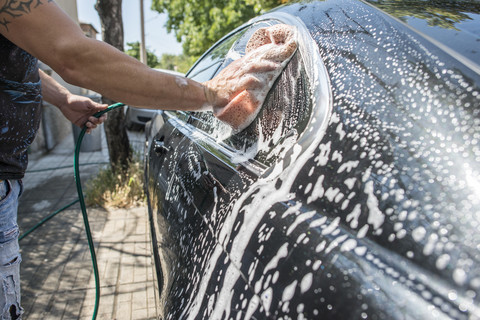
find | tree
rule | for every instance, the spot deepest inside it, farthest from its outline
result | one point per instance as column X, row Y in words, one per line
column 110, row 12
column 134, row 51
column 180, row 63
column 200, row 23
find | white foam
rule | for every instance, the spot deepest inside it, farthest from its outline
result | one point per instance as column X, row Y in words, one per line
column 258, row 56
column 259, row 198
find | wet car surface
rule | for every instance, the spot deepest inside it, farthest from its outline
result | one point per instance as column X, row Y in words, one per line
column 355, row 194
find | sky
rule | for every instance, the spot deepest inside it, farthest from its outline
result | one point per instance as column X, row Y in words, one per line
column 156, row 37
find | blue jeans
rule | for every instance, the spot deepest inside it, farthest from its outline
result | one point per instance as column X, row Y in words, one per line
column 10, row 191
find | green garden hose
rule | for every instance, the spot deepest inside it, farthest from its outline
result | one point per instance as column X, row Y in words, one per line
column 50, row 216
column 84, row 209
column 81, row 199
column 53, row 214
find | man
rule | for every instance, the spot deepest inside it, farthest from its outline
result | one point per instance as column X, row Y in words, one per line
column 39, row 29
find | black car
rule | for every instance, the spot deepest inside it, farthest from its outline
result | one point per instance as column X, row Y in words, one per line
column 355, row 193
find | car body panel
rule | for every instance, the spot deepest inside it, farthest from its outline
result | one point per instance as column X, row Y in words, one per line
column 451, row 25
column 365, row 208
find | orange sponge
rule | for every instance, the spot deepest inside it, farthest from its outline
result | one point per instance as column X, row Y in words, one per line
column 275, row 44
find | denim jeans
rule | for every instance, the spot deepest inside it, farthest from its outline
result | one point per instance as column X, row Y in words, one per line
column 10, row 191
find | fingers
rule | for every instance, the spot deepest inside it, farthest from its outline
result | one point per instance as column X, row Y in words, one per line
column 97, row 121
column 245, row 83
column 250, row 82
column 90, row 125
column 101, row 106
column 267, row 51
column 262, row 66
column 93, row 107
column 93, row 122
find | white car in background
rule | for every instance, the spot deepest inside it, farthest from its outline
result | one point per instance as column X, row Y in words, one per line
column 135, row 118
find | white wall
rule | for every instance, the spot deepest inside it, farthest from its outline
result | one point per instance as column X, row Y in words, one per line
column 70, row 7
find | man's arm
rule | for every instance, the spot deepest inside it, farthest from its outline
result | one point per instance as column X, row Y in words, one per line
column 77, row 109
column 46, row 32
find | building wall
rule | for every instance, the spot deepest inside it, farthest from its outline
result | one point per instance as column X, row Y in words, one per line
column 70, row 7
column 89, row 30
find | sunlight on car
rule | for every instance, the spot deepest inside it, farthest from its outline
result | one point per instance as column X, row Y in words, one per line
column 354, row 192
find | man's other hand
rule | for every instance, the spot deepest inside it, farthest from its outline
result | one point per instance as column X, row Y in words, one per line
column 80, row 110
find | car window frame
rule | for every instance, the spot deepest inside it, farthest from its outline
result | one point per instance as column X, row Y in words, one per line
column 322, row 92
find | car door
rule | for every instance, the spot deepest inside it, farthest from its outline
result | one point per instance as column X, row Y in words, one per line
column 182, row 170
column 201, row 169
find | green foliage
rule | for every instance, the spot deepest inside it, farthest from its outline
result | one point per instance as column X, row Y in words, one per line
column 180, row 63
column 113, row 190
column 200, row 23
column 134, row 51
column 445, row 16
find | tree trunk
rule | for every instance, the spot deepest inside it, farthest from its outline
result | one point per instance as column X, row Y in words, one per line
column 110, row 12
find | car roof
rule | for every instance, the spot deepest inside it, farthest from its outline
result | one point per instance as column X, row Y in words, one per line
column 454, row 26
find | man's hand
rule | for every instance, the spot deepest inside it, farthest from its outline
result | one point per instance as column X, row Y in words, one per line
column 79, row 110
column 238, row 91
column 238, row 76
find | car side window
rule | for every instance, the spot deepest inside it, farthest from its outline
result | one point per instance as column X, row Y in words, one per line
column 208, row 65
column 283, row 116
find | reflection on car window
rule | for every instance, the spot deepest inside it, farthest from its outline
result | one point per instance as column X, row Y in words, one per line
column 283, row 116
column 237, row 49
column 209, row 64
column 207, row 67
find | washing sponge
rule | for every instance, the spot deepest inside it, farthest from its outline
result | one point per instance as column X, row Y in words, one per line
column 275, row 44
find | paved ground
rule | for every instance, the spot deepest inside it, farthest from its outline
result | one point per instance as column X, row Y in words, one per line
column 57, row 275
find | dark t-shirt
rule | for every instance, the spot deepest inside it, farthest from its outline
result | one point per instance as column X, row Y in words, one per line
column 20, row 111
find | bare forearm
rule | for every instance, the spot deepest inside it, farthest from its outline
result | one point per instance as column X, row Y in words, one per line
column 46, row 32
column 95, row 65
column 78, row 109
column 110, row 72
column 52, row 91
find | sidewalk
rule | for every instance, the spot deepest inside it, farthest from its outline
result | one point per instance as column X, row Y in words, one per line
column 57, row 274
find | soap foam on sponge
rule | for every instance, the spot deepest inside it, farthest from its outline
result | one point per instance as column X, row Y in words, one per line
column 277, row 44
